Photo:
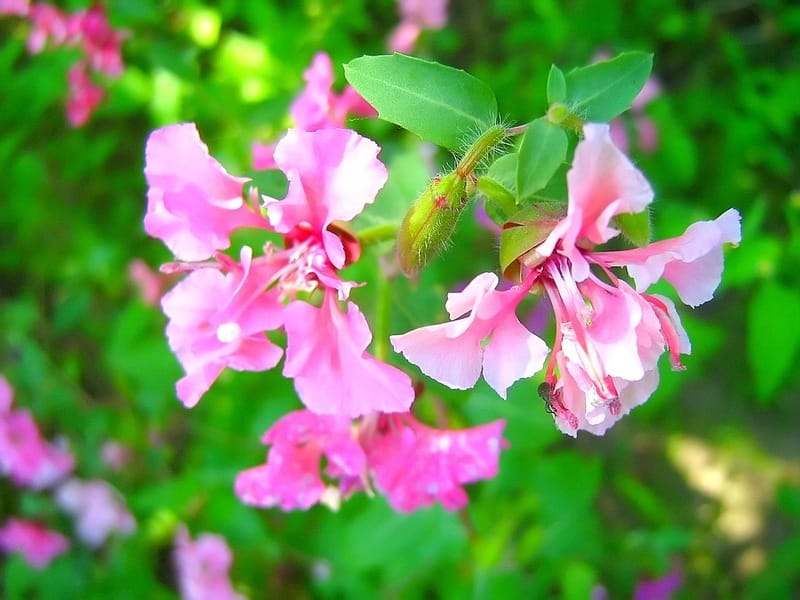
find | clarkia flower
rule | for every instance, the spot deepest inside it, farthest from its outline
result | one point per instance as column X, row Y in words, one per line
column 203, row 567
column 219, row 314
column 98, row 510
column 412, row 464
column 25, row 456
column 37, row 545
column 608, row 335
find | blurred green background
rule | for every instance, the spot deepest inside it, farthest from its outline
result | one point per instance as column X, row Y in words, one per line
column 704, row 479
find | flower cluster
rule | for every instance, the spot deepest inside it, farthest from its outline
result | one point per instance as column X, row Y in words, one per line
column 609, row 334
column 412, row 464
column 220, row 313
column 88, row 30
column 34, row 463
column 317, row 107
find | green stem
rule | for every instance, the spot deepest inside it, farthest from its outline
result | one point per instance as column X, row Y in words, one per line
column 482, row 146
column 383, row 317
column 378, row 233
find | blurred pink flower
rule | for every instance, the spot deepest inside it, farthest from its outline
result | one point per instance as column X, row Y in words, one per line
column 39, row 546
column 98, row 510
column 193, row 204
column 412, row 464
column 150, row 283
column 90, row 31
column 25, row 457
column 454, row 353
column 662, row 588
column 101, row 43
column 290, row 479
column 203, row 566
column 415, row 16
column 608, row 335
column 83, row 95
column 15, row 7
column 116, row 455
column 218, row 320
column 316, row 107
column 49, row 25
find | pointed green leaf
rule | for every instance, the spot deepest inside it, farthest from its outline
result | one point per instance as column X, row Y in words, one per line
column 601, row 91
column 438, row 103
column 556, row 85
column 543, row 150
column 526, row 230
column 501, row 199
column 635, row 227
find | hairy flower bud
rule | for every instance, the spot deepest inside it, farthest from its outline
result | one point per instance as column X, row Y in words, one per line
column 430, row 222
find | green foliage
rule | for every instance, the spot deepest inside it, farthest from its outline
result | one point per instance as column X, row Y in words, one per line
column 541, row 153
column 88, row 357
column 601, row 91
column 438, row 103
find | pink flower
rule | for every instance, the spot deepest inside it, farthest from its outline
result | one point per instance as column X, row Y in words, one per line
column 49, row 24
column 193, row 204
column 203, row 565
column 415, row 465
column 116, row 455
column 430, row 14
column 412, row 464
column 218, row 320
column 36, row 544
column 333, row 174
column 101, row 43
column 415, row 16
column 454, row 353
column 83, row 96
column 326, row 350
column 25, row 457
column 609, row 336
column 318, row 107
column 15, row 7
column 98, row 509
column 149, row 283
column 290, row 479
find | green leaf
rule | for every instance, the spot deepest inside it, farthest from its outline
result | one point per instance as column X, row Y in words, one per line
column 543, row 150
column 556, row 85
column 773, row 336
column 499, row 186
column 635, row 227
column 526, row 230
column 438, row 103
column 601, row 91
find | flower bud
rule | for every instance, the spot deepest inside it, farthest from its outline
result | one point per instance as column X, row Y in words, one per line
column 430, row 222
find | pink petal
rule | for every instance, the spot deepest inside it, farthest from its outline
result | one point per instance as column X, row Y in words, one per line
column 415, row 465
column 333, row 174
column 325, row 354
column 203, row 567
column 291, row 477
column 39, row 546
column 193, row 203
column 6, row 395
column 453, row 353
column 692, row 262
